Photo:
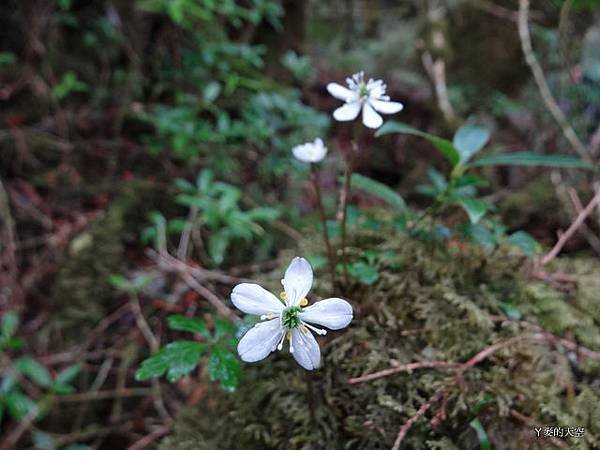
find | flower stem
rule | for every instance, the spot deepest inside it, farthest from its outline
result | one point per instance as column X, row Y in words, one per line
column 310, row 397
column 330, row 254
column 343, row 209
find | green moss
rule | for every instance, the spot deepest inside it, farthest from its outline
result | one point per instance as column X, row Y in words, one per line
column 81, row 290
column 454, row 295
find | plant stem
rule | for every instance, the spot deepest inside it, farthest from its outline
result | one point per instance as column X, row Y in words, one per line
column 342, row 212
column 330, row 255
column 310, row 397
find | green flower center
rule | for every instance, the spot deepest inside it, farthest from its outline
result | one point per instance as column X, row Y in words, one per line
column 290, row 318
column 363, row 91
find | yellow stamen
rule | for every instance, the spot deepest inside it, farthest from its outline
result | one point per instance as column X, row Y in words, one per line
column 289, row 335
column 269, row 316
column 304, row 302
column 304, row 330
column 282, row 296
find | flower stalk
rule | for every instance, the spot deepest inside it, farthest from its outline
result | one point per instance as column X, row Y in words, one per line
column 315, row 178
column 343, row 209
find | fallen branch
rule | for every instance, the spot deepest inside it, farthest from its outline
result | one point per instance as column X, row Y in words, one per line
column 183, row 270
column 479, row 357
column 405, row 368
column 540, row 80
column 562, row 240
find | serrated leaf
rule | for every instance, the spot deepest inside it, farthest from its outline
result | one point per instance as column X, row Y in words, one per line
column 379, row 190
column 191, row 324
column 468, row 140
column 525, row 242
column 34, row 371
column 532, row 159
column 474, row 208
column 445, row 147
column 224, row 366
column 176, row 359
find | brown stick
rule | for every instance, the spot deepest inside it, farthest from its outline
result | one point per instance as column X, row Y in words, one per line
column 182, row 269
column 540, row 80
column 405, row 368
column 482, row 355
column 572, row 229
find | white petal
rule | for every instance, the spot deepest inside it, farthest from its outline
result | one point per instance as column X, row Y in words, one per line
column 339, row 91
column 306, row 349
column 370, row 118
column 253, row 299
column 347, row 112
column 387, row 107
column 260, row 340
column 333, row 313
column 311, row 152
column 297, row 281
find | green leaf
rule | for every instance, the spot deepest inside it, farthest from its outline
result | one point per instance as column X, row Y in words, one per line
column 469, row 139
column 43, row 441
column 479, row 234
column 10, row 322
column 18, row 404
column 63, row 389
column 474, row 208
column 34, row 370
column 484, row 441
column 533, row 159
column 511, row 311
column 119, row 281
column 445, row 147
column 211, row 92
column 217, row 244
column 525, row 242
column 191, row 324
column 379, row 190
column 363, row 272
column 68, row 374
column 224, row 366
column 177, row 359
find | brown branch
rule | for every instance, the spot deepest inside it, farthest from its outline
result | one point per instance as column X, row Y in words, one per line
column 174, row 265
column 544, row 89
column 479, row 357
column 405, row 368
column 572, row 229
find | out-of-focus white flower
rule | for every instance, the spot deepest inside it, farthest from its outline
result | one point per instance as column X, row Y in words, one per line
column 288, row 318
column 311, row 152
column 369, row 96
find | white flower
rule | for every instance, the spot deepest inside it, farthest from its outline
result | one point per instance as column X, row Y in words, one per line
column 369, row 96
column 288, row 317
column 311, row 152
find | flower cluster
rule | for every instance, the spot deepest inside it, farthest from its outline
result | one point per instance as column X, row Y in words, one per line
column 288, row 317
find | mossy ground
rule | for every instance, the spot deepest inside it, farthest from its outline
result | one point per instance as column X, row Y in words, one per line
column 455, row 293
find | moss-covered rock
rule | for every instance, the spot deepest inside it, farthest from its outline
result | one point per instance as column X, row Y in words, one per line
column 453, row 299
